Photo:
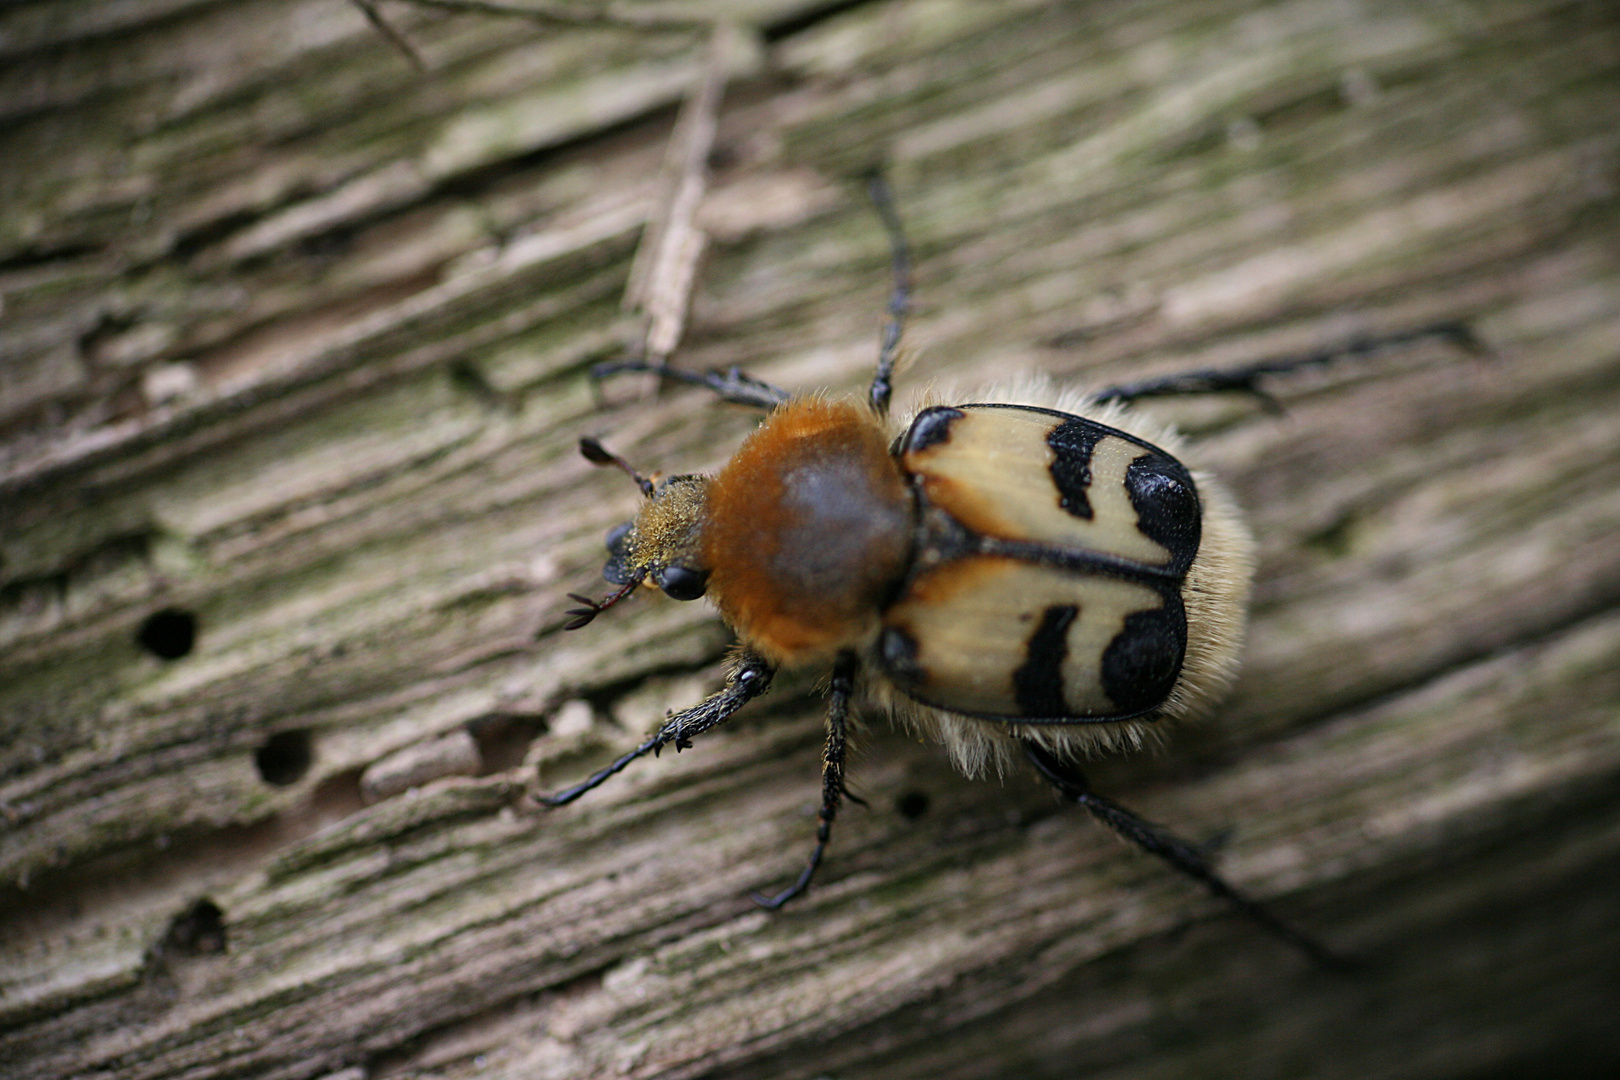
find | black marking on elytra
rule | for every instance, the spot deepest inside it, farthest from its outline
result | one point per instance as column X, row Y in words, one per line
column 897, row 652
column 1101, row 429
column 1073, row 442
column 1167, row 507
column 1082, row 561
column 1038, row 682
column 930, row 428
column 1141, row 665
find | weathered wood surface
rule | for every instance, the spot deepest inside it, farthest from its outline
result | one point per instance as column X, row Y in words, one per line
column 295, row 340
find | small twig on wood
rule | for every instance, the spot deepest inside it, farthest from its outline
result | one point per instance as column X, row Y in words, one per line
column 666, row 261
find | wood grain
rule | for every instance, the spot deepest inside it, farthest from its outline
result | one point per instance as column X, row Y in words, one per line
column 294, row 343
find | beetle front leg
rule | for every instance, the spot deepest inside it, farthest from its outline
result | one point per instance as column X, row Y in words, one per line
column 1071, row 783
column 731, row 384
column 832, row 776
column 750, row 678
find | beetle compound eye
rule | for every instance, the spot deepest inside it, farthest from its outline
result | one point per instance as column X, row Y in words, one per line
column 617, row 571
column 681, row 582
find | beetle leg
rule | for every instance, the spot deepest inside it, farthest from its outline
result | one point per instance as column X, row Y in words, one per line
column 899, row 297
column 1071, row 783
column 750, row 678
column 1246, row 379
column 731, row 384
column 832, row 777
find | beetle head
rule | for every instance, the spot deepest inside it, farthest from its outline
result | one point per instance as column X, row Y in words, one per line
column 662, row 544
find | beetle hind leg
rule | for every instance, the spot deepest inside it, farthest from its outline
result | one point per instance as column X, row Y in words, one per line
column 1071, row 783
column 832, row 777
column 1246, row 378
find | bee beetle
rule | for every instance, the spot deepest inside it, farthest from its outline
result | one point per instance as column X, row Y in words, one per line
column 1032, row 573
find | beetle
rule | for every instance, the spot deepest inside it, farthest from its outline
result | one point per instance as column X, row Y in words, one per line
column 1032, row 572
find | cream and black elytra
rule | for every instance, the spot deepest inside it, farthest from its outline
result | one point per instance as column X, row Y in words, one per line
column 1030, row 574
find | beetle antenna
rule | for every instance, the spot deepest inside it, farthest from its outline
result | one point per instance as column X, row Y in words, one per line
column 593, row 608
column 597, row 454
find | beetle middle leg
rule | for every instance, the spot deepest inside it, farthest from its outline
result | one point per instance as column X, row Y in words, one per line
column 899, row 295
column 750, row 678
column 740, row 388
column 1246, row 377
column 1071, row 783
column 832, row 776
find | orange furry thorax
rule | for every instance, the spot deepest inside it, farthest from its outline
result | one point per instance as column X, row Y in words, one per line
column 807, row 528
